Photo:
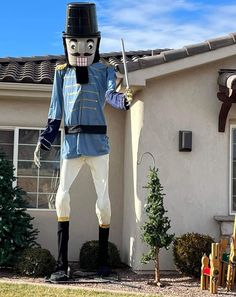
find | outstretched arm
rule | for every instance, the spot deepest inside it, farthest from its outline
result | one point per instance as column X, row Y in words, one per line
column 116, row 99
column 49, row 134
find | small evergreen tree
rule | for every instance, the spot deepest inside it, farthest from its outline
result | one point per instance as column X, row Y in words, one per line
column 16, row 230
column 155, row 229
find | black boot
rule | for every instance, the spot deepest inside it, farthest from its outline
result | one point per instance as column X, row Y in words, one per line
column 103, row 266
column 61, row 273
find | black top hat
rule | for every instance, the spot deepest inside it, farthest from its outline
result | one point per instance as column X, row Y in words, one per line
column 81, row 20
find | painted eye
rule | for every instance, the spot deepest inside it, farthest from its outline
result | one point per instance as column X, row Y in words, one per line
column 73, row 45
column 90, row 45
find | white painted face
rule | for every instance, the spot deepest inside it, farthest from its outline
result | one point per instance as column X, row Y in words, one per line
column 81, row 51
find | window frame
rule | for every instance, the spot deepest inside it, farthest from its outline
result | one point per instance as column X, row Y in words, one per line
column 231, row 211
column 16, row 130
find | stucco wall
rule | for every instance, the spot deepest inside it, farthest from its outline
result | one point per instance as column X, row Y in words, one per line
column 84, row 225
column 196, row 183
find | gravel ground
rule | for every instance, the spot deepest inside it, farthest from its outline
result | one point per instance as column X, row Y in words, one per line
column 175, row 284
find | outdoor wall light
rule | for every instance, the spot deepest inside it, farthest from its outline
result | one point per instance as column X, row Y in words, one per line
column 185, row 141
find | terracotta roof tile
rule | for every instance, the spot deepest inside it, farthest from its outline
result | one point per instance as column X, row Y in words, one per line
column 151, row 61
column 40, row 70
column 198, row 48
column 174, row 54
column 221, row 42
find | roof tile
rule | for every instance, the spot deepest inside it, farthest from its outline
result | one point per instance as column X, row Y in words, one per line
column 220, row 42
column 130, row 66
column 40, row 70
column 174, row 54
column 233, row 35
column 198, row 48
column 151, row 61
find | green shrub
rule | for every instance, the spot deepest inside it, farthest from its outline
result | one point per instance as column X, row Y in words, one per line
column 89, row 255
column 188, row 250
column 16, row 229
column 36, row 262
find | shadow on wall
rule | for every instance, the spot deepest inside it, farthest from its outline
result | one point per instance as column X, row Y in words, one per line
column 132, row 202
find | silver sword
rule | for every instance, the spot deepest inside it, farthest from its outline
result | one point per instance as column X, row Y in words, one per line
column 124, row 62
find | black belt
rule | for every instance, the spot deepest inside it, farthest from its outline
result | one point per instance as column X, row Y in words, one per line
column 89, row 129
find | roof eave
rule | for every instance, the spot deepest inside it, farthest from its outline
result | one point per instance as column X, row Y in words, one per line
column 25, row 91
column 139, row 77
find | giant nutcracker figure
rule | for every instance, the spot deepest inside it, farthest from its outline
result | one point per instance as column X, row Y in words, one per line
column 82, row 86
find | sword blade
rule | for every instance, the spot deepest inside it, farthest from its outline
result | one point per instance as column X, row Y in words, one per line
column 124, row 62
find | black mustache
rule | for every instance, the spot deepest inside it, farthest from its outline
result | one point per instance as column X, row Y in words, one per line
column 78, row 54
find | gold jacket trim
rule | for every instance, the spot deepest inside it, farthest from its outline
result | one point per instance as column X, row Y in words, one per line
column 61, row 66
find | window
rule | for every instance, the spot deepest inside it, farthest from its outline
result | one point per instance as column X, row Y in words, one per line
column 40, row 183
column 7, row 143
column 233, row 170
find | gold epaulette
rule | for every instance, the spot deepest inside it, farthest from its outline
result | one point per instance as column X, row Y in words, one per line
column 61, row 66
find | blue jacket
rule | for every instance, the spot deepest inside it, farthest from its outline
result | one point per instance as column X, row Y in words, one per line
column 81, row 105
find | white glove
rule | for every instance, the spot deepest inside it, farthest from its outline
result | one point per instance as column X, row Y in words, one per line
column 37, row 155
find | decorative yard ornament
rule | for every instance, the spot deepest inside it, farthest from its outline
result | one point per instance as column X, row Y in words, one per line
column 81, row 88
column 81, row 37
column 232, row 261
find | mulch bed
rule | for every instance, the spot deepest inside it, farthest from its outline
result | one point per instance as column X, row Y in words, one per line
column 129, row 281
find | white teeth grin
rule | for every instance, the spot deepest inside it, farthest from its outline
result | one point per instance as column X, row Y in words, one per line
column 82, row 61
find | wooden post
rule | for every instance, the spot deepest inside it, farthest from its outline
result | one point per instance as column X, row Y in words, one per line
column 224, row 268
column 204, row 277
column 223, row 246
column 215, row 267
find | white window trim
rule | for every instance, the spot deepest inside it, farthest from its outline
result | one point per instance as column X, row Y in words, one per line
column 15, row 154
column 231, row 212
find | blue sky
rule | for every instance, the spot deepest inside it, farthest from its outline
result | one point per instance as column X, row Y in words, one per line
column 33, row 28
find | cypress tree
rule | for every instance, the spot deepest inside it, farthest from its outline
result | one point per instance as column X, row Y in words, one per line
column 16, row 230
column 154, row 230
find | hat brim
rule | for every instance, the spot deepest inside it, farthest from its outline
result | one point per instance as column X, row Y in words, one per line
column 66, row 35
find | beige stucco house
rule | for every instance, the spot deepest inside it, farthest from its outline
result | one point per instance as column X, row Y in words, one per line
column 175, row 90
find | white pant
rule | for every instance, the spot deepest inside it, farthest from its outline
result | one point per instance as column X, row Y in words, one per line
column 99, row 167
